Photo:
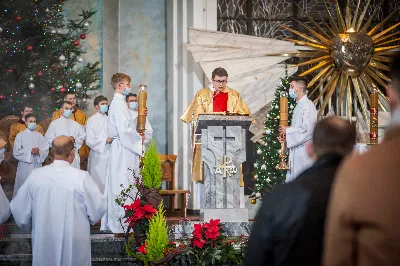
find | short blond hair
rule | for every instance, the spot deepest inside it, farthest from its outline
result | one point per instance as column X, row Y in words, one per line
column 118, row 78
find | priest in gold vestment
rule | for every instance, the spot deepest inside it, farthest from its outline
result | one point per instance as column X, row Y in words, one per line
column 78, row 116
column 217, row 98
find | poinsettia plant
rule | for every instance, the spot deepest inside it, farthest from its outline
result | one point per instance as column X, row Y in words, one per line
column 137, row 217
column 207, row 234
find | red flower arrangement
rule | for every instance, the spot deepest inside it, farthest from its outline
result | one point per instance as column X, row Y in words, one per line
column 206, row 234
column 137, row 216
column 136, row 212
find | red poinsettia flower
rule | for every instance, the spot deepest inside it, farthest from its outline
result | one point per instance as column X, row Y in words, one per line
column 212, row 223
column 149, row 211
column 142, row 249
column 198, row 242
column 212, row 233
column 139, row 214
column 135, row 205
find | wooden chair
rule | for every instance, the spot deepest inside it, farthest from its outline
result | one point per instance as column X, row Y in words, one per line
column 168, row 170
column 45, row 123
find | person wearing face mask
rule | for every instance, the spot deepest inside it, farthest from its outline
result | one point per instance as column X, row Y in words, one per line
column 126, row 149
column 4, row 203
column 99, row 143
column 301, row 128
column 77, row 115
column 21, row 126
column 131, row 100
column 30, row 149
column 57, row 204
column 64, row 126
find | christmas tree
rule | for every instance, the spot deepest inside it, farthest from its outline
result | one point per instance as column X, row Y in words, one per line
column 40, row 56
column 266, row 175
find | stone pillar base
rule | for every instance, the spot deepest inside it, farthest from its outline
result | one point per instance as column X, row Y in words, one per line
column 225, row 215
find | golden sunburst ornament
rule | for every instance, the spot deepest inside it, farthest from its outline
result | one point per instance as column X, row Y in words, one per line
column 349, row 55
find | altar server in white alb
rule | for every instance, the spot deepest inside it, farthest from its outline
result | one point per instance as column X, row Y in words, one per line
column 124, row 153
column 30, row 149
column 57, row 204
column 131, row 100
column 64, row 126
column 301, row 129
column 99, row 143
column 4, row 203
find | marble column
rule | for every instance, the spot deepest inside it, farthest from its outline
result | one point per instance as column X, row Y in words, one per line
column 184, row 79
column 110, row 44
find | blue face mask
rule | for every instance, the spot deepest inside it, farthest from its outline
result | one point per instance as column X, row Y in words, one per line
column 126, row 91
column 103, row 109
column 67, row 113
column 133, row 106
column 292, row 94
column 32, row 126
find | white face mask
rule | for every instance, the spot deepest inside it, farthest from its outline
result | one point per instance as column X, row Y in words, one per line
column 126, row 91
column 103, row 109
column 67, row 113
column 32, row 126
column 133, row 106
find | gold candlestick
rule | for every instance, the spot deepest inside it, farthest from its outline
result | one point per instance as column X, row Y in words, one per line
column 142, row 101
column 373, row 116
column 283, row 121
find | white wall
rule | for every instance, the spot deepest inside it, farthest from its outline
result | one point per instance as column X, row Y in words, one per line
column 184, row 79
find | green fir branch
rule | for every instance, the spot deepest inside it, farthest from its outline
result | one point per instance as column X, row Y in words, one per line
column 157, row 237
column 151, row 171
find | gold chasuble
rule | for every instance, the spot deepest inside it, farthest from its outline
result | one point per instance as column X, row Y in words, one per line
column 80, row 117
column 17, row 128
column 203, row 103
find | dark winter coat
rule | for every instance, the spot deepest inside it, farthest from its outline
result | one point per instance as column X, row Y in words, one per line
column 290, row 224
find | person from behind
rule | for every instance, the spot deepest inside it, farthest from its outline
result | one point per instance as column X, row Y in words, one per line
column 289, row 228
column 57, row 204
column 363, row 220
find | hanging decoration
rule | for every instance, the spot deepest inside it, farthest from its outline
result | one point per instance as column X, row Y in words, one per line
column 351, row 55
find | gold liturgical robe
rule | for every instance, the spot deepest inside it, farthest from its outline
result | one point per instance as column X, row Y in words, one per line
column 80, row 117
column 202, row 103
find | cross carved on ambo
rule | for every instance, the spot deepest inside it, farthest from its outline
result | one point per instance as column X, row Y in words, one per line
column 226, row 167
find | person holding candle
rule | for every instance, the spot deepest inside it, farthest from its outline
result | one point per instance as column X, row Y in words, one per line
column 30, row 149
column 131, row 100
column 126, row 149
column 301, row 129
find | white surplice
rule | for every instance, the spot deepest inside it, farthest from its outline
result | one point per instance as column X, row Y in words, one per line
column 298, row 134
column 4, row 203
column 57, row 204
column 124, row 159
column 67, row 127
column 148, row 134
column 96, row 136
column 22, row 151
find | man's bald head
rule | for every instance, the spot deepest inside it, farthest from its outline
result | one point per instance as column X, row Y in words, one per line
column 333, row 135
column 62, row 147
